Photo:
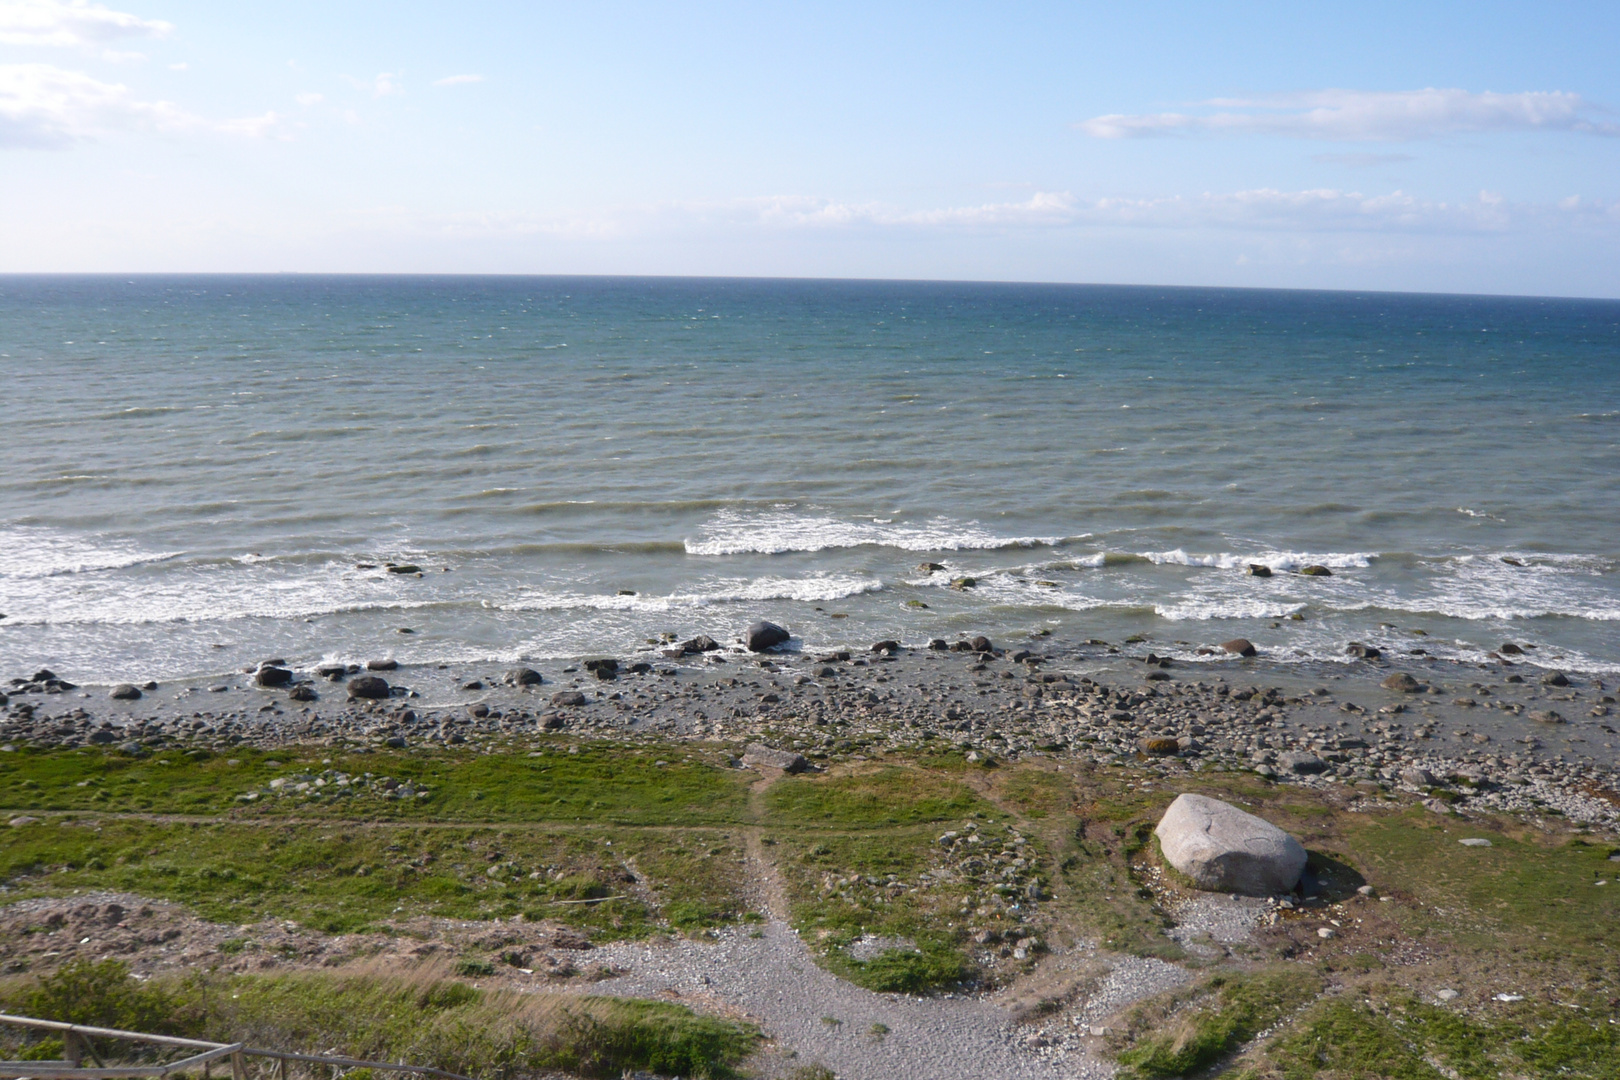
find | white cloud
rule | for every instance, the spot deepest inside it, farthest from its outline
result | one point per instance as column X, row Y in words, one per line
column 1368, row 116
column 310, row 99
column 458, row 80
column 45, row 107
column 72, row 24
column 381, row 85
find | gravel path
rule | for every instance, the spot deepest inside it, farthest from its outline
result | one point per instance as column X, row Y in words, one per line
column 772, row 979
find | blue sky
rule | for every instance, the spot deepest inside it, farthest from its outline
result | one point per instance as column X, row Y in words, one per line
column 1446, row 147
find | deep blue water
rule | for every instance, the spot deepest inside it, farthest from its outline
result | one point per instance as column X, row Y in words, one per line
column 192, row 469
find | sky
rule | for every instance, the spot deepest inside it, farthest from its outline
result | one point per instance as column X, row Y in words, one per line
column 1448, row 147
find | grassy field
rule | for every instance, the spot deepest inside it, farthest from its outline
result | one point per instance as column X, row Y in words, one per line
column 896, row 873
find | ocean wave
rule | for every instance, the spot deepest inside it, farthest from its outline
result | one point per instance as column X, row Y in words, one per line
column 804, row 590
column 778, row 533
column 1276, row 560
column 31, row 554
column 1205, row 609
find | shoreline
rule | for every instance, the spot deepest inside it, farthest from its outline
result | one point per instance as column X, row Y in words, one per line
column 1458, row 734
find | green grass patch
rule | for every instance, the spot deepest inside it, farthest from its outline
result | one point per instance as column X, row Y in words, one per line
column 417, row 1016
column 344, row 879
column 884, row 797
column 1229, row 1011
column 602, row 782
column 1035, row 793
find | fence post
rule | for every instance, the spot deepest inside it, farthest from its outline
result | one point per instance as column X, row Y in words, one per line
column 238, row 1066
column 70, row 1049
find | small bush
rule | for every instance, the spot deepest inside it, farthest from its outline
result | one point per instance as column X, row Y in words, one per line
column 102, row 994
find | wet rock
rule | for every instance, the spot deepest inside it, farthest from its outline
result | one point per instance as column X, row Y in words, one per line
column 762, row 636
column 1510, row 649
column 1365, row 652
column 332, row 672
column 888, row 647
column 1547, row 716
column 939, row 645
column 1315, row 570
column 404, row 568
column 1239, row 647
column 568, row 697
column 759, row 754
column 1402, row 683
column 382, row 665
column 1224, row 849
column 272, row 677
column 930, row 567
column 981, row 644
column 1259, row 570
column 1302, row 763
column 964, row 583
column 371, row 687
column 303, row 692
column 522, row 677
column 605, row 670
column 701, row 644
column 1555, row 678
column 125, row 692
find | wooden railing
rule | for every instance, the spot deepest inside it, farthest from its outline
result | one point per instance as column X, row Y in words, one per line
column 77, row 1045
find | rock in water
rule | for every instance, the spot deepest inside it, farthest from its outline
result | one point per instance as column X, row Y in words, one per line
column 982, row 644
column 1224, row 849
column 1402, row 683
column 700, row 644
column 1259, row 570
column 786, row 760
column 368, row 686
column 522, row 677
column 1365, row 652
column 1510, row 649
column 1555, row 678
column 1240, row 646
column 764, row 635
column 1316, row 571
column 382, row 665
column 125, row 692
column 303, row 692
column 272, row 676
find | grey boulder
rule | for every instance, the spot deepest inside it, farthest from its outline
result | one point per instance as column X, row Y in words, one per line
column 1239, row 647
column 522, row 677
column 764, row 635
column 372, row 687
column 125, row 692
column 1224, row 849
column 786, row 760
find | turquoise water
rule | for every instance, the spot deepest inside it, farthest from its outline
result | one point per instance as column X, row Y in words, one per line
column 193, row 470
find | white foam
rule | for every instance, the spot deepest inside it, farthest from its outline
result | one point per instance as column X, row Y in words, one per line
column 818, row 589
column 1202, row 609
column 38, row 553
column 778, row 532
column 1276, row 560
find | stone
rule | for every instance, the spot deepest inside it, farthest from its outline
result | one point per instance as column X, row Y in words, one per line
column 981, row 644
column 939, row 644
column 103, row 737
column 759, row 754
column 332, row 672
column 889, row 647
column 762, row 636
column 272, row 677
column 1259, row 570
column 1402, row 683
column 930, row 567
column 1160, row 747
column 964, row 583
column 1365, row 652
column 554, row 723
column 522, row 677
column 700, row 644
column 404, row 568
column 1510, row 649
column 373, row 687
column 1302, row 763
column 23, row 819
column 303, row 692
column 1316, row 570
column 1475, row 841
column 568, row 697
column 1239, row 647
column 1224, row 849
column 1547, row 716
column 132, row 748
column 125, row 692
column 1418, row 777
column 1555, row 678
column 382, row 665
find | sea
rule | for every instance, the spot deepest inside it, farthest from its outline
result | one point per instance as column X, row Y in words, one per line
column 200, row 472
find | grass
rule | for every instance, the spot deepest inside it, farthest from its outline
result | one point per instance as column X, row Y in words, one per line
column 344, row 879
column 1227, row 1011
column 888, row 796
column 602, row 783
column 420, row 1016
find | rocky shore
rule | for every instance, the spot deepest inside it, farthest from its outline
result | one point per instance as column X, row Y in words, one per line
column 1505, row 736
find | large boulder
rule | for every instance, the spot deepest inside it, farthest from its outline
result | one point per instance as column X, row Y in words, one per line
column 273, row 677
column 373, row 687
column 764, row 635
column 125, row 692
column 759, row 754
column 1239, row 647
column 1224, row 849
column 1402, row 683
column 522, row 677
